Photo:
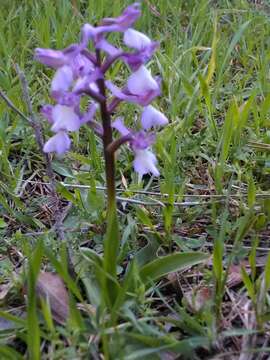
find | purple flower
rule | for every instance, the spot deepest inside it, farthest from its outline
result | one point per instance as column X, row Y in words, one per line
column 152, row 117
column 141, row 89
column 135, row 60
column 64, row 119
column 119, row 24
column 59, row 143
column 139, row 140
column 79, row 72
column 145, row 161
column 49, row 57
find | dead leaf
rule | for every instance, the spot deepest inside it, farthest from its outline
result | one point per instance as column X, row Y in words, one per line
column 52, row 288
column 4, row 290
column 196, row 299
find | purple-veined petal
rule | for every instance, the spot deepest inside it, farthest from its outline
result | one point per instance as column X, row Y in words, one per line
column 65, row 118
column 143, row 100
column 135, row 60
column 145, row 162
column 116, row 91
column 62, row 79
column 66, row 98
column 88, row 32
column 104, row 45
column 83, row 83
column 49, row 57
column 136, row 40
column 119, row 125
column 142, row 140
column 81, row 66
column 46, row 111
column 141, row 82
column 59, row 143
column 125, row 20
column 152, row 117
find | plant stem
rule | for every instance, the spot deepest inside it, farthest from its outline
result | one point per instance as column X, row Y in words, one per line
column 111, row 242
column 107, row 140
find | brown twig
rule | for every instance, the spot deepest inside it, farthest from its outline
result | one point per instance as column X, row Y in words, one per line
column 34, row 122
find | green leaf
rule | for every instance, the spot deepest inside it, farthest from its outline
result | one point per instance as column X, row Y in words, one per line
column 251, row 192
column 3, row 224
column 234, row 41
column 170, row 263
column 248, row 284
column 33, row 330
column 9, row 354
column 267, row 273
column 111, row 248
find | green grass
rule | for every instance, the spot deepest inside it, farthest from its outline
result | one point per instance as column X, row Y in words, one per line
column 214, row 61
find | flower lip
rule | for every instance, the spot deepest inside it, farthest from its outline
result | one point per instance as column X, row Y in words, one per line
column 152, row 117
column 65, row 118
column 141, row 82
column 145, row 162
column 62, row 79
column 58, row 143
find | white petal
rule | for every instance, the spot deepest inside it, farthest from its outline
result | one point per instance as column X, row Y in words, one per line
column 64, row 118
column 62, row 79
column 152, row 117
column 141, row 81
column 59, row 143
column 93, row 86
column 145, row 162
column 136, row 39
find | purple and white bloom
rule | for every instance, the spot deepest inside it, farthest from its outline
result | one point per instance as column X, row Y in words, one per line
column 80, row 72
column 152, row 117
column 59, row 143
column 141, row 88
column 145, row 162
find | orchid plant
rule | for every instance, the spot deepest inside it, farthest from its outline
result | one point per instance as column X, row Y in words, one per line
column 81, row 73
